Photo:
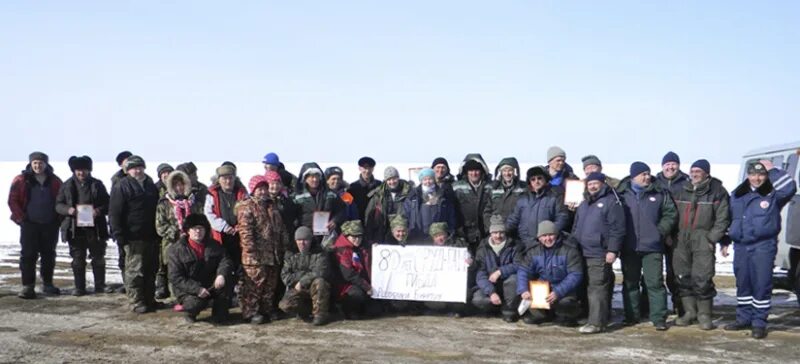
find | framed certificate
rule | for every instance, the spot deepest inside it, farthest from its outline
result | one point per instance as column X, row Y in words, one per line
column 574, row 192
column 320, row 222
column 539, row 292
column 84, row 215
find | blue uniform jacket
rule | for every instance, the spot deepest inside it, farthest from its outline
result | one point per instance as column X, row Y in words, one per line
column 756, row 214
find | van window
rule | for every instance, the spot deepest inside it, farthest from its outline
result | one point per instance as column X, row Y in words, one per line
column 777, row 161
column 791, row 164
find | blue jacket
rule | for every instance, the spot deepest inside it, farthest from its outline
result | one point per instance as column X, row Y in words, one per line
column 533, row 208
column 421, row 215
column 650, row 216
column 561, row 265
column 756, row 214
column 488, row 262
column 600, row 223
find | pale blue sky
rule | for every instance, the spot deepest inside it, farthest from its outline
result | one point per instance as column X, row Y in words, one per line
column 408, row 81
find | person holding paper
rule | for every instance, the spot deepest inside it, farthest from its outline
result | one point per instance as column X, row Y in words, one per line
column 496, row 275
column 307, row 278
column 314, row 196
column 352, row 287
column 198, row 269
column 172, row 209
column 428, row 204
column 600, row 229
column 440, row 235
column 650, row 216
column 399, row 231
column 384, row 202
column 263, row 241
column 80, row 192
column 553, row 258
column 539, row 203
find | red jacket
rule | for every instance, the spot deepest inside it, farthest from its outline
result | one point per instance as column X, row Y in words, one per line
column 354, row 271
column 241, row 194
column 18, row 196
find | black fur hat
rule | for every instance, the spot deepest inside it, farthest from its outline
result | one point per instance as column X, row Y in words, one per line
column 194, row 220
column 84, row 162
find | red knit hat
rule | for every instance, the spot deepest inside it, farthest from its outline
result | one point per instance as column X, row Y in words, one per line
column 272, row 176
column 256, row 181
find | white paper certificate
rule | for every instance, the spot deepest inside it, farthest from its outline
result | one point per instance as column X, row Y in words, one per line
column 85, row 214
column 320, row 223
column 574, row 192
column 539, row 292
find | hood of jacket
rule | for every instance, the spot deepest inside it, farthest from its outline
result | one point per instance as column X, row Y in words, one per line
column 476, row 157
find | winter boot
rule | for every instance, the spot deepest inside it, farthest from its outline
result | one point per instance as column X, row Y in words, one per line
column 80, row 283
column 161, row 287
column 27, row 292
column 690, row 315
column 704, row 311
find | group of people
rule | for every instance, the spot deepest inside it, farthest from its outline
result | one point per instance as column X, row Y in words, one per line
column 201, row 246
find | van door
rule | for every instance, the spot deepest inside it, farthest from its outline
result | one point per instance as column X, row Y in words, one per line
column 793, row 208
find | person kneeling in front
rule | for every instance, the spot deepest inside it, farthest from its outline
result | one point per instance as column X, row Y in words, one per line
column 197, row 269
column 553, row 257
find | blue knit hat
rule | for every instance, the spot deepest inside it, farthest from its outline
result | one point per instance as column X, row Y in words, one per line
column 272, row 159
column 638, row 168
column 427, row 172
column 670, row 157
column 596, row 176
column 702, row 164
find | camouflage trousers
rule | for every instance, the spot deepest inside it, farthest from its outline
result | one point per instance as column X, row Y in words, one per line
column 257, row 293
column 314, row 300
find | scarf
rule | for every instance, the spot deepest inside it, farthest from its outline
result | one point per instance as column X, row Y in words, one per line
column 498, row 247
column 182, row 208
column 199, row 249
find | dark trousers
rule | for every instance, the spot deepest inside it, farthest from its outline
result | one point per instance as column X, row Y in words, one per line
column 78, row 247
column 506, row 289
column 566, row 308
column 218, row 300
column 121, row 261
column 693, row 262
column 600, row 285
column 794, row 271
column 37, row 240
column 752, row 266
column 651, row 264
column 354, row 300
column 672, row 283
column 141, row 264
